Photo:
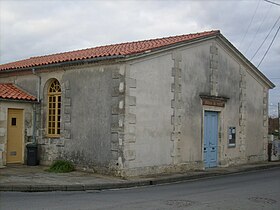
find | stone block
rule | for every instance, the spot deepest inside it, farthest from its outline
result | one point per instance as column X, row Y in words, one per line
column 176, row 104
column 130, row 137
column 67, row 102
column 2, row 131
column 114, row 137
column 213, row 64
column 60, row 142
column 2, row 115
column 129, row 155
column 67, row 126
column 115, row 74
column 176, row 120
column 121, row 104
column 67, row 85
column 67, row 134
column 115, row 127
column 67, row 93
column 172, row 87
column 115, row 118
column 67, row 118
column 172, row 120
column 115, row 110
column 121, row 121
column 131, row 83
column 177, row 56
column 2, row 139
column 121, row 87
column 131, row 128
column 174, row 136
column 115, row 155
column 114, row 146
column 115, row 91
column 214, row 57
column 67, row 109
column 122, row 71
column 178, row 87
column 131, row 100
column 29, row 131
column 2, row 148
column 214, row 50
column 131, row 118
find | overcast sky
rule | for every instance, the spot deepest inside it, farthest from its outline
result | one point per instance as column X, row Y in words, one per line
column 38, row 27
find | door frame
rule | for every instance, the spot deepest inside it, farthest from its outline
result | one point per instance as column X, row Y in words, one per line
column 209, row 160
column 220, row 113
column 22, row 134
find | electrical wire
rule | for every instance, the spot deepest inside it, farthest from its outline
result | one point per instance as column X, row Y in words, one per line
column 250, row 22
column 265, row 38
column 264, row 18
column 272, row 2
column 269, row 46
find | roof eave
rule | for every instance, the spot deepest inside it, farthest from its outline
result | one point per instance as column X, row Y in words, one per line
column 169, row 47
column 64, row 64
column 19, row 100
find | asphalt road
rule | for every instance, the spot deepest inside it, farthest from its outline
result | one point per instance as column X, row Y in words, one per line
column 252, row 190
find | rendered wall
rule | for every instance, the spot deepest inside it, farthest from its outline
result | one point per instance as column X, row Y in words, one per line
column 153, row 112
column 169, row 112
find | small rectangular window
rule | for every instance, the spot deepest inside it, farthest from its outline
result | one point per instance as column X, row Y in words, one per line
column 14, row 121
column 231, row 136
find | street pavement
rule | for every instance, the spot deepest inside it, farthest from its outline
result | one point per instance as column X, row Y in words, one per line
column 23, row 178
column 250, row 190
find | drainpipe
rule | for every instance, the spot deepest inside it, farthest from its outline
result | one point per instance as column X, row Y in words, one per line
column 34, row 106
column 34, row 124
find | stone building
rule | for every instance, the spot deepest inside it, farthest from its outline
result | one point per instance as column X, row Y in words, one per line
column 155, row 106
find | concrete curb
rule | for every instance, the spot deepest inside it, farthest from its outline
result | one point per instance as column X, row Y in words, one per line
column 128, row 184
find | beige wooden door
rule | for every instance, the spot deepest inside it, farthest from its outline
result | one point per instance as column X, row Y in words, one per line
column 15, row 136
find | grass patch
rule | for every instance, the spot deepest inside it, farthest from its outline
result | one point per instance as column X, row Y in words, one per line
column 61, row 166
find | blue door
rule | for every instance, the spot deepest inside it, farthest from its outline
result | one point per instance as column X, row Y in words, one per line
column 210, row 139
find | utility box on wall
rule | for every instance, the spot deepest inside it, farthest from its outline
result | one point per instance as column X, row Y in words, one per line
column 231, row 136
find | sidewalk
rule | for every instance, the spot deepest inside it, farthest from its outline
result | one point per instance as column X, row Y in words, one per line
column 24, row 178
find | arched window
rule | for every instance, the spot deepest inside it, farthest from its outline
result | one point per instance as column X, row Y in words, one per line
column 54, row 109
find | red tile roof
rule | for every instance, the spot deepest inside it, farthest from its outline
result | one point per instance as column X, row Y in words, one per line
column 123, row 49
column 10, row 91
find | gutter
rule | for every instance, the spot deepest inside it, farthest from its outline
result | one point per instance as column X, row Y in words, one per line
column 63, row 64
column 18, row 101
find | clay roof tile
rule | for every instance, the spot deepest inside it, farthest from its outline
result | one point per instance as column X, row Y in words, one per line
column 10, row 91
column 125, row 49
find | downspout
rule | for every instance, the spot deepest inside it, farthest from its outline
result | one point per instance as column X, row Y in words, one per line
column 34, row 106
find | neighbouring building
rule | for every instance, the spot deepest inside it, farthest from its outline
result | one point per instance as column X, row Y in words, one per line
column 155, row 106
column 273, row 125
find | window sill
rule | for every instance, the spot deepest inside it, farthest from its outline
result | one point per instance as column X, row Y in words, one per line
column 53, row 136
column 231, row 146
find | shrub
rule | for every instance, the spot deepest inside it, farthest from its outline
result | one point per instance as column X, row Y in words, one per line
column 61, row 166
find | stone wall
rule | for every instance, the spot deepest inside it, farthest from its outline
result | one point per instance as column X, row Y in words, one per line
column 27, row 126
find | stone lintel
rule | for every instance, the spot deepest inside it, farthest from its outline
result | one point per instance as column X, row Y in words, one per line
column 131, row 83
column 217, row 101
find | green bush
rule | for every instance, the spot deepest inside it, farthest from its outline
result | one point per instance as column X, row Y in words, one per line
column 61, row 166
